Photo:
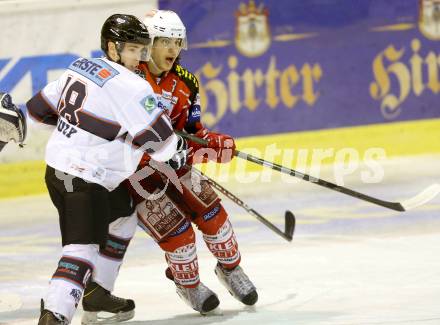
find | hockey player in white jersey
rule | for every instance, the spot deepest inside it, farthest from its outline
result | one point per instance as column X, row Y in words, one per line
column 106, row 117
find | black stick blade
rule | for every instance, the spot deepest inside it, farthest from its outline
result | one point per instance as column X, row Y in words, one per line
column 290, row 223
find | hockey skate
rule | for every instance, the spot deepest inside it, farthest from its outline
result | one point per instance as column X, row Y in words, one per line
column 99, row 300
column 238, row 284
column 200, row 298
column 49, row 318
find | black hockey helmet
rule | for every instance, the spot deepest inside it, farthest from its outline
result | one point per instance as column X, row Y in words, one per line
column 123, row 28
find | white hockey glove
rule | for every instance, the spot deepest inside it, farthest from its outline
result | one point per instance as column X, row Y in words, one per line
column 181, row 155
column 12, row 122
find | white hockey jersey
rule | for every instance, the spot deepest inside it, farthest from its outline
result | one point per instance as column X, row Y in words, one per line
column 106, row 117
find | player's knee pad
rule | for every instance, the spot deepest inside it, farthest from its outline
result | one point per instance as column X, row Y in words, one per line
column 184, row 265
column 223, row 245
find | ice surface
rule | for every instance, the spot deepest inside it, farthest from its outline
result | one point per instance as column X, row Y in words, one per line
column 350, row 262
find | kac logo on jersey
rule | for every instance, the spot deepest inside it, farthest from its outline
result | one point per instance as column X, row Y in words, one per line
column 195, row 112
column 95, row 70
column 194, row 115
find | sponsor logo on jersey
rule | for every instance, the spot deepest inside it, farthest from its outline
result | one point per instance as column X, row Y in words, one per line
column 76, row 294
column 116, row 245
column 95, row 70
column 161, row 105
column 185, row 75
column 181, row 229
column 195, row 112
column 167, row 98
column 211, row 214
column 167, row 94
column 194, row 115
column 168, row 101
column 149, row 103
column 99, row 173
column 68, row 265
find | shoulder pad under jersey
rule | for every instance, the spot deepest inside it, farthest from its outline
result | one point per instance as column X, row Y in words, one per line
column 187, row 77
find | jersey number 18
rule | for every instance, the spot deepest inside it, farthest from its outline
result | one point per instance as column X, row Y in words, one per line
column 72, row 100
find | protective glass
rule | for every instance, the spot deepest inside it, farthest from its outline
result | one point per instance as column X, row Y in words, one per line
column 134, row 51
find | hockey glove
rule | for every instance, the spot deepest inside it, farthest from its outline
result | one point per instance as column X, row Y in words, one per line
column 220, row 147
column 12, row 121
column 180, row 157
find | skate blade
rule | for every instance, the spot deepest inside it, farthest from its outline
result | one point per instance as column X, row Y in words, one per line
column 90, row 318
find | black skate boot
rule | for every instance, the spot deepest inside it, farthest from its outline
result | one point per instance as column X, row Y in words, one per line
column 96, row 300
column 49, row 318
column 238, row 284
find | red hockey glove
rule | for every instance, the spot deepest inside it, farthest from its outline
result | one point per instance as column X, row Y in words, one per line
column 220, row 147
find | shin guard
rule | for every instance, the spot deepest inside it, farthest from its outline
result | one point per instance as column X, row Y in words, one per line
column 70, row 278
column 223, row 245
column 111, row 256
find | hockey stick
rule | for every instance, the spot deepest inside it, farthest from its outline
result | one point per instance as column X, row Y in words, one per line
column 426, row 195
column 289, row 218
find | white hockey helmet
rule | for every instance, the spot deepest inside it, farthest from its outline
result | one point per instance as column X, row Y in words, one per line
column 166, row 23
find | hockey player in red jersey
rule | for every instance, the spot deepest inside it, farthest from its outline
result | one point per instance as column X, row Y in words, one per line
column 201, row 206
column 166, row 209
